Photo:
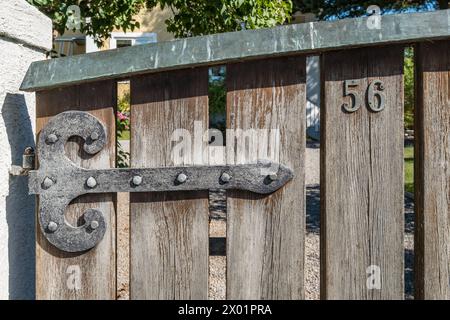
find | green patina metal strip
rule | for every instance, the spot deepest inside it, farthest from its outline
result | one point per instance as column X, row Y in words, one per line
column 236, row 46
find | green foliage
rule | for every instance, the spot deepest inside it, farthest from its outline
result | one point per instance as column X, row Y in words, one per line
column 193, row 18
column 124, row 103
column 201, row 17
column 122, row 123
column 105, row 15
column 409, row 88
column 409, row 169
column 339, row 9
column 123, row 129
column 217, row 102
column 190, row 17
column 123, row 114
column 123, row 158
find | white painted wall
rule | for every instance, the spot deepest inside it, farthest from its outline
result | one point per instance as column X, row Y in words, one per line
column 25, row 35
column 313, row 97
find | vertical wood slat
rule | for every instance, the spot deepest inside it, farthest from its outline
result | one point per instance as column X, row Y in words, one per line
column 265, row 234
column 57, row 275
column 432, row 171
column 169, row 231
column 362, row 221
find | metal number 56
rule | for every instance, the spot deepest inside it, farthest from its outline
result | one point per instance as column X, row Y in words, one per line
column 356, row 99
column 375, row 97
column 375, row 90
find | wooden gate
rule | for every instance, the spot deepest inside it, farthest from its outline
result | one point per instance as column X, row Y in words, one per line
column 362, row 215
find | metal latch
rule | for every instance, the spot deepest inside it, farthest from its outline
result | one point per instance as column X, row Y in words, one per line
column 58, row 180
column 27, row 163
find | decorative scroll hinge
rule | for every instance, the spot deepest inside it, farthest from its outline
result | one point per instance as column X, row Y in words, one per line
column 58, row 180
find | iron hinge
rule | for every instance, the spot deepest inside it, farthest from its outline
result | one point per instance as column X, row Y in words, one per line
column 58, row 180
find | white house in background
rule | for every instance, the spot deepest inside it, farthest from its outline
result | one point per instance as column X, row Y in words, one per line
column 152, row 29
column 312, row 85
column 313, row 97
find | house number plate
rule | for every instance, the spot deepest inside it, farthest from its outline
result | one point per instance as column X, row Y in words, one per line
column 373, row 97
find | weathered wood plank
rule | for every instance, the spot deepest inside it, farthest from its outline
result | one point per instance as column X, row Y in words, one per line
column 362, row 219
column 265, row 234
column 169, row 231
column 432, row 171
column 226, row 47
column 91, row 274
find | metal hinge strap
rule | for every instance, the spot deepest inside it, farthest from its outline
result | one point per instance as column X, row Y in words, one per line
column 58, row 180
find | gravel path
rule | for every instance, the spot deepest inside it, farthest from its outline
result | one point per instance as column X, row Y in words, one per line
column 217, row 259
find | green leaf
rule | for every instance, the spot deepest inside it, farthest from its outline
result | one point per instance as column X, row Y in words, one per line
column 190, row 18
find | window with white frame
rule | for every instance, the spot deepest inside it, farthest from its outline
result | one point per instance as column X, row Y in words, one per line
column 123, row 39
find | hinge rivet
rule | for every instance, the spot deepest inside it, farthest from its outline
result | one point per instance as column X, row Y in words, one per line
column 273, row 177
column 94, row 136
column 91, row 182
column 225, row 177
column 94, row 224
column 181, row 178
column 52, row 226
column 52, row 138
column 137, row 180
column 47, row 183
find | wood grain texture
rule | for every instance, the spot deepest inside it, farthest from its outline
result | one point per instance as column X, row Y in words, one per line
column 432, row 171
column 56, row 271
column 265, row 234
column 362, row 222
column 169, row 231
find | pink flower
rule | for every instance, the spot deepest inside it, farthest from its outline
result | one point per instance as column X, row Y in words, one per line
column 121, row 116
